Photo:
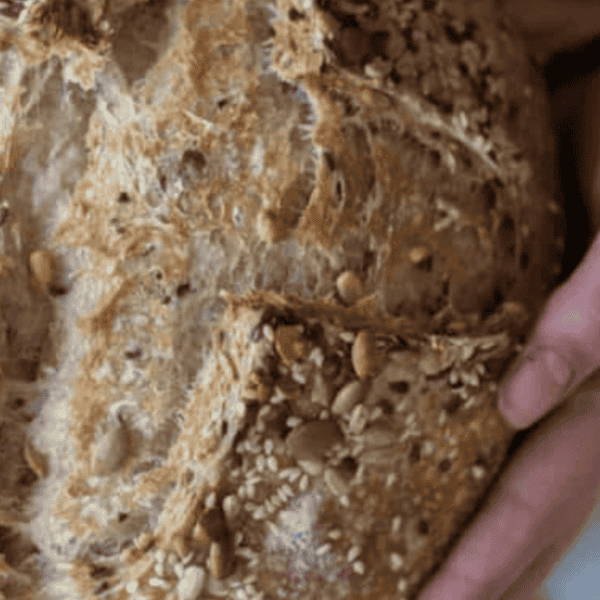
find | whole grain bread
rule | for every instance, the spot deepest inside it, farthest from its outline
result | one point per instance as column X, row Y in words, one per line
column 263, row 266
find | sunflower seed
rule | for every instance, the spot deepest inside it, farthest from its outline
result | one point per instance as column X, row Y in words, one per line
column 365, row 359
column 312, row 440
column 347, row 398
column 312, row 467
column 335, row 482
column 378, row 436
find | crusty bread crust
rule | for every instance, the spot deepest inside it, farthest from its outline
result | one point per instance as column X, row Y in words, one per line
column 262, row 268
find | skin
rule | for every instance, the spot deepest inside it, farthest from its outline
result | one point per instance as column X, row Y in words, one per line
column 544, row 497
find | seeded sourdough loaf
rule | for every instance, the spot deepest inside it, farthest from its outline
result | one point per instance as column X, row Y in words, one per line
column 263, row 266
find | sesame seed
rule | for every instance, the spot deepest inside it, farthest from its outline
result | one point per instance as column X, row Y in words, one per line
column 285, row 492
column 478, row 471
column 471, row 379
column 259, row 514
column 161, row 583
column 263, row 412
column 245, row 552
column 323, row 549
column 230, row 506
column 353, row 553
column 293, row 421
column 240, row 594
column 375, row 413
column 347, row 336
column 278, row 397
column 358, row 567
column 391, row 479
column 298, row 376
column 467, row 352
column 272, row 464
column 396, row 561
column 358, row 419
column 159, row 562
column 345, row 501
column 268, row 446
column 260, row 462
column 402, row 585
column 396, row 522
column 211, row 500
column 268, row 332
column 317, row 356
column 304, row 483
column 334, row 534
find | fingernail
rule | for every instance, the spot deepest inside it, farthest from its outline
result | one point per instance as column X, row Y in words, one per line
column 536, row 387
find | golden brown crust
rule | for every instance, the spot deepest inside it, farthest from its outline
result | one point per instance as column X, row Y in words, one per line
column 299, row 250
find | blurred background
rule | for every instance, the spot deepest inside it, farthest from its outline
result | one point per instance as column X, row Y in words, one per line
column 564, row 41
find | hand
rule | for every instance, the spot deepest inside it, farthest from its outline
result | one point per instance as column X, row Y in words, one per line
column 550, row 488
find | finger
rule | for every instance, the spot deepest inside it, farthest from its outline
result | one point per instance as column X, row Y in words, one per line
column 564, row 350
column 542, row 502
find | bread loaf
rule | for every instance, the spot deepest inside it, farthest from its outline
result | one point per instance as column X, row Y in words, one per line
column 263, row 266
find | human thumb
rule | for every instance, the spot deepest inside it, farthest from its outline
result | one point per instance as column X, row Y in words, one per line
column 564, row 350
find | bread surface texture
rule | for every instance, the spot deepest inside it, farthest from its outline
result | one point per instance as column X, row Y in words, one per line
column 262, row 266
